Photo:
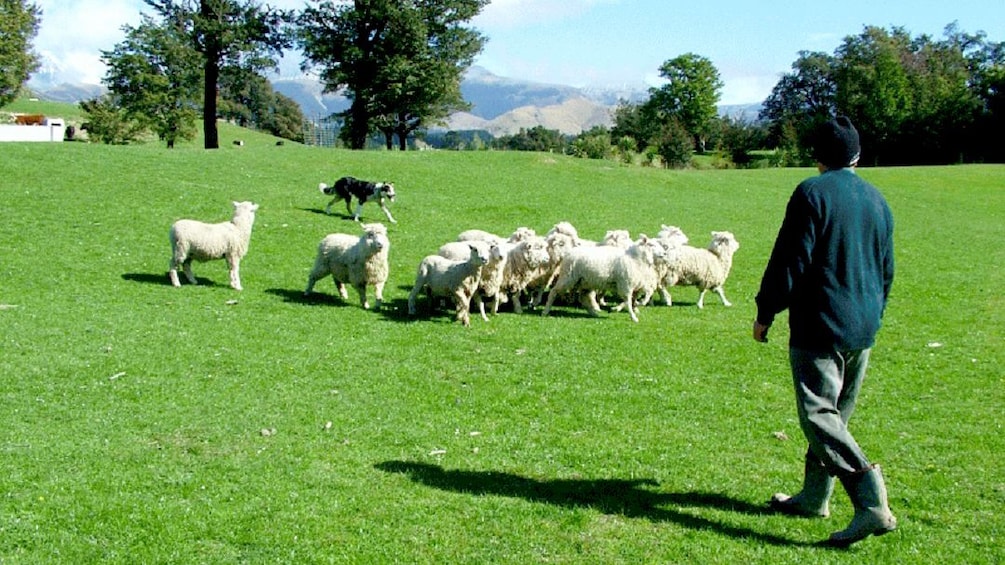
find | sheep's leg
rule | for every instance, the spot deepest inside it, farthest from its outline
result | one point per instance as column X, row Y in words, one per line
column 665, row 293
column 590, row 301
column 317, row 273
column 328, row 208
column 378, row 289
column 632, row 310
column 481, row 304
column 722, row 295
column 462, row 303
column 412, row 296
column 701, row 298
column 387, row 213
column 187, row 267
column 361, row 289
column 517, row 307
column 173, row 272
column 235, row 276
column 340, row 286
column 359, row 210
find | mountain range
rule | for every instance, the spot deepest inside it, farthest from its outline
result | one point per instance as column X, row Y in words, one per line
column 499, row 105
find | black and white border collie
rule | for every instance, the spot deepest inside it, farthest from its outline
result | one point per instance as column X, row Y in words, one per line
column 346, row 188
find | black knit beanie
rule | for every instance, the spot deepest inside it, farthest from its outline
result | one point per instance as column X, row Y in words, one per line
column 836, row 144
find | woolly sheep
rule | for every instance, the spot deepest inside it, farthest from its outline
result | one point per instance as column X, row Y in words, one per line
column 636, row 273
column 703, row 268
column 359, row 260
column 440, row 276
column 597, row 269
column 558, row 246
column 520, row 234
column 526, row 262
column 491, row 276
column 199, row 241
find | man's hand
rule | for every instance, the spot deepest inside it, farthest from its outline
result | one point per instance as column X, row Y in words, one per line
column 760, row 332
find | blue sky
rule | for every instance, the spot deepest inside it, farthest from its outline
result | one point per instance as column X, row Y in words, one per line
column 598, row 42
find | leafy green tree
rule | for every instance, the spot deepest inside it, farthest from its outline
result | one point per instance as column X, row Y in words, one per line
column 674, row 144
column 633, row 121
column 799, row 101
column 19, row 21
column 690, row 96
column 249, row 100
column 399, row 61
column 109, row 123
column 537, row 138
column 154, row 75
column 227, row 34
column 594, row 143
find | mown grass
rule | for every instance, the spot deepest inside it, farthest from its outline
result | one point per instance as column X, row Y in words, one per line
column 132, row 413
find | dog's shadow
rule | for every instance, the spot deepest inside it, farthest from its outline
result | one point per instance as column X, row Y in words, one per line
column 321, row 212
column 630, row 498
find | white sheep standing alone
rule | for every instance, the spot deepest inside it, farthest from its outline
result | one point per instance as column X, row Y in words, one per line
column 357, row 259
column 703, row 268
column 199, row 241
column 440, row 276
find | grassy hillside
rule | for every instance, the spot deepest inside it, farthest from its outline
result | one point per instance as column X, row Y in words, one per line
column 144, row 423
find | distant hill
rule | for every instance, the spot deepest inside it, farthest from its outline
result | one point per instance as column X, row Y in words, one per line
column 499, row 105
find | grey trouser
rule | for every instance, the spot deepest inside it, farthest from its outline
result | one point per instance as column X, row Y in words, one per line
column 827, row 384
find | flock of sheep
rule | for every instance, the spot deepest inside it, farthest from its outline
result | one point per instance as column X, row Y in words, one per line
column 482, row 266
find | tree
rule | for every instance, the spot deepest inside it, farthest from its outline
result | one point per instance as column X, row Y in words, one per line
column 249, row 100
column 108, row 123
column 18, row 26
column 154, row 75
column 800, row 101
column 227, row 34
column 399, row 61
column 690, row 96
column 674, row 144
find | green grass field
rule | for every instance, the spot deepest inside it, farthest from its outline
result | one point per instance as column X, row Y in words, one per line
column 140, row 423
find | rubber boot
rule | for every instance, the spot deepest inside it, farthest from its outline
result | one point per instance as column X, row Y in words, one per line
column 872, row 513
column 812, row 501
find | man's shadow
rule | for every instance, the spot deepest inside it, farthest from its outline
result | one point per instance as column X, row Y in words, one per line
column 629, row 498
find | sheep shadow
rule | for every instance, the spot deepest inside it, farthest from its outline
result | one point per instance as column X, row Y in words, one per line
column 313, row 299
column 163, row 280
column 629, row 498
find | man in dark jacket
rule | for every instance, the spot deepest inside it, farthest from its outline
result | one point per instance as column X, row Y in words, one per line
column 832, row 268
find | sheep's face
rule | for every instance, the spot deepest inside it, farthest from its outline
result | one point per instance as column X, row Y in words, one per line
column 495, row 253
column 617, row 238
column 536, row 253
column 724, row 240
column 672, row 234
column 375, row 236
column 479, row 254
column 522, row 234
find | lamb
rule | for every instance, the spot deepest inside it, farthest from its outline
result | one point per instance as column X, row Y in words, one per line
column 606, row 268
column 703, row 268
column 199, row 241
column 440, row 276
column 491, row 276
column 358, row 260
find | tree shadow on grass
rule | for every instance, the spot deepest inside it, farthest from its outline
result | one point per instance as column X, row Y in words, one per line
column 629, row 498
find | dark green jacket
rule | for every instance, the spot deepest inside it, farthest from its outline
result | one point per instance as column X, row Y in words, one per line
column 832, row 264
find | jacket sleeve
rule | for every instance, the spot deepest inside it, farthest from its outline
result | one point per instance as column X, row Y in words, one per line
column 790, row 258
